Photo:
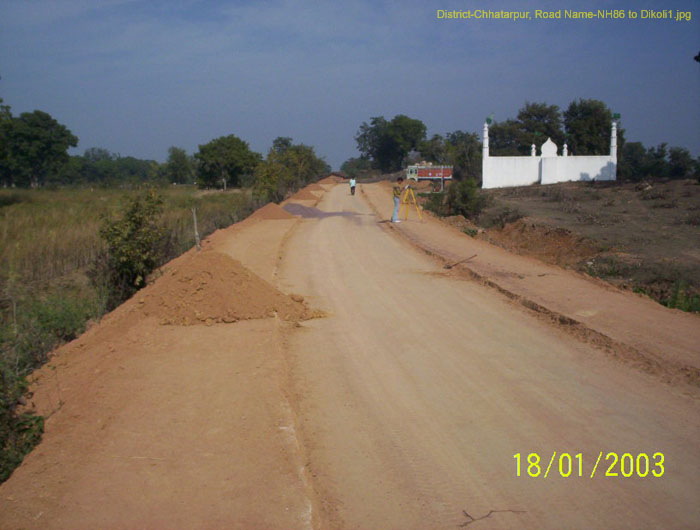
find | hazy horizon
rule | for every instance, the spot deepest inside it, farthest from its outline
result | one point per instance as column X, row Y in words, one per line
column 137, row 77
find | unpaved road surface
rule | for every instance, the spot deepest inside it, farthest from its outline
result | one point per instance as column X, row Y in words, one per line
column 403, row 407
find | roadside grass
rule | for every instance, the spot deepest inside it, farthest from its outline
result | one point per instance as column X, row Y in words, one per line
column 49, row 240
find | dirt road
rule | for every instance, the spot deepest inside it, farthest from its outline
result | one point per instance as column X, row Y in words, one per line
column 419, row 389
column 402, row 408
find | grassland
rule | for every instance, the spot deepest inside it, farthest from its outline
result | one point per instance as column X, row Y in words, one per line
column 49, row 242
column 639, row 236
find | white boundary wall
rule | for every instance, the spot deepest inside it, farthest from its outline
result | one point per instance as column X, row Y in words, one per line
column 548, row 168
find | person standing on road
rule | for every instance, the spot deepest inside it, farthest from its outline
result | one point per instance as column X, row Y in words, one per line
column 352, row 185
column 397, row 199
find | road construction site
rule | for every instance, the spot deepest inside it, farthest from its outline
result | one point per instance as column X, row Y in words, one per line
column 316, row 366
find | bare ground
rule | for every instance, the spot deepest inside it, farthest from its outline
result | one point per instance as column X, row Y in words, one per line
column 402, row 408
column 642, row 236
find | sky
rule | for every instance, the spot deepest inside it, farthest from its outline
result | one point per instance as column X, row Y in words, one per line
column 136, row 77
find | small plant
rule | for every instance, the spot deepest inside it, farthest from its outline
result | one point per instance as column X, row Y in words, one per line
column 464, row 198
column 435, row 202
column 471, row 232
column 683, row 298
column 135, row 243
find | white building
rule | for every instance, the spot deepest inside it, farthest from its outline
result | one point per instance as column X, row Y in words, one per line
column 548, row 168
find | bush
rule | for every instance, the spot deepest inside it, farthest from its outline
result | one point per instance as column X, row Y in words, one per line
column 19, row 433
column 40, row 325
column 135, row 245
column 461, row 198
column 435, row 202
column 683, row 298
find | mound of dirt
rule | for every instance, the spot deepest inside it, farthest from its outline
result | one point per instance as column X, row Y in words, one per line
column 304, row 195
column 208, row 287
column 331, row 180
column 314, row 187
column 552, row 245
column 271, row 211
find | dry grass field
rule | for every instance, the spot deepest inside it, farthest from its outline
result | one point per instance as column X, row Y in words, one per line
column 640, row 236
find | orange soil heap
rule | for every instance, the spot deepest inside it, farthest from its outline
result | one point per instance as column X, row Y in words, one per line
column 304, row 195
column 208, row 287
column 271, row 211
column 331, row 180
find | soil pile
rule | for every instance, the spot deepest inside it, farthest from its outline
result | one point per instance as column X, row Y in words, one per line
column 271, row 211
column 304, row 195
column 209, row 287
column 331, row 180
column 552, row 245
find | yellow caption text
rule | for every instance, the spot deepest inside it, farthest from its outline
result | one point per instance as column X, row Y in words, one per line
column 661, row 15
column 610, row 464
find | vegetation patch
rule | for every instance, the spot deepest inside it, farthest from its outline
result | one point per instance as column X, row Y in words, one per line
column 57, row 273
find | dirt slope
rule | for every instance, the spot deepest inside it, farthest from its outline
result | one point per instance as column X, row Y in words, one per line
column 402, row 408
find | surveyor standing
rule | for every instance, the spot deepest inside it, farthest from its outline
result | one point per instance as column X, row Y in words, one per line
column 397, row 189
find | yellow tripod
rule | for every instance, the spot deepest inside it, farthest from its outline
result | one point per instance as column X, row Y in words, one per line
column 409, row 197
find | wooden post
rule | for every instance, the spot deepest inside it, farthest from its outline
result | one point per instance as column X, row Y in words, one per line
column 196, row 232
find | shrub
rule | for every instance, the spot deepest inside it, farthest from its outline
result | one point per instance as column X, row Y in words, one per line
column 461, row 198
column 435, row 202
column 19, row 432
column 134, row 248
column 683, row 298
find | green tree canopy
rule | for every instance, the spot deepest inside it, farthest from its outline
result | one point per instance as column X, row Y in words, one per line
column 459, row 149
column 539, row 121
column 35, row 146
column 354, row 166
column 387, row 143
column 179, row 167
column 224, row 160
column 287, row 168
column 535, row 123
column 588, row 123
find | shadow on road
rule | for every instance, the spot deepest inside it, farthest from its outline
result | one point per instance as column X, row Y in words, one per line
column 314, row 213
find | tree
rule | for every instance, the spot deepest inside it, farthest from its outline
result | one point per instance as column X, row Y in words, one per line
column 98, row 154
column 656, row 162
column 681, row 164
column 281, row 144
column 632, row 161
column 505, row 139
column 459, row 149
column 178, row 168
column 588, row 123
column 287, row 168
column 5, row 124
column 537, row 122
column 464, row 153
column 387, row 143
column 434, row 150
column 224, row 160
column 36, row 146
column 534, row 124
column 354, row 166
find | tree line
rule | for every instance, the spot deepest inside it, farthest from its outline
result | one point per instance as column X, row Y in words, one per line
column 390, row 145
column 34, row 153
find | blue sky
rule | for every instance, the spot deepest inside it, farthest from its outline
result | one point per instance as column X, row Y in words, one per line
column 137, row 77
